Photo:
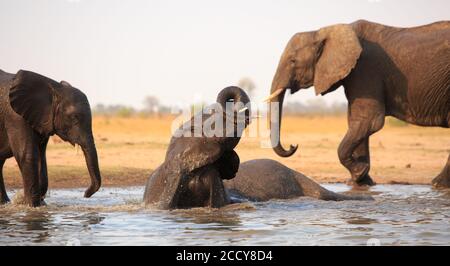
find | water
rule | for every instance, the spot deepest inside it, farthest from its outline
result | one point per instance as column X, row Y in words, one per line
column 400, row 215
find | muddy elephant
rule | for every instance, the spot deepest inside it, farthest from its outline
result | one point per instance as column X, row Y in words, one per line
column 33, row 108
column 265, row 179
column 196, row 164
column 385, row 71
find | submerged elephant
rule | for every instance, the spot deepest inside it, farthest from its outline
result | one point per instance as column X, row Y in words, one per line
column 264, row 179
column 386, row 71
column 33, row 108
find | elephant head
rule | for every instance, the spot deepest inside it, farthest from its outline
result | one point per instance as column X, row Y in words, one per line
column 321, row 59
column 52, row 107
column 194, row 167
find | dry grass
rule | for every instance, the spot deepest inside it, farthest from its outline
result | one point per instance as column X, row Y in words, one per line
column 129, row 148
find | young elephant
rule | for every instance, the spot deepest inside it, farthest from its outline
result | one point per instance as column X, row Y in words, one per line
column 194, row 167
column 262, row 180
column 33, row 108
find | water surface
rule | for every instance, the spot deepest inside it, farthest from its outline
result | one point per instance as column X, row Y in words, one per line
column 400, row 215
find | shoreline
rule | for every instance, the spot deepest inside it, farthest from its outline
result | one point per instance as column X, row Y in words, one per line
column 140, row 178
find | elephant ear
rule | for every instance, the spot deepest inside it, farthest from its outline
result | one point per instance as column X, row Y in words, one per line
column 191, row 153
column 339, row 54
column 184, row 155
column 31, row 97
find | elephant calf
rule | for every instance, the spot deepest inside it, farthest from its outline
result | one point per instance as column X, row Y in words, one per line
column 33, row 108
column 192, row 173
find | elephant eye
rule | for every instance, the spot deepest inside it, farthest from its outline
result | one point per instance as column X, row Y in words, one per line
column 75, row 119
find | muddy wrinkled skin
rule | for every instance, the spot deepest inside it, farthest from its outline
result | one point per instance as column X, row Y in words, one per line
column 33, row 108
column 386, row 71
column 194, row 167
column 264, row 179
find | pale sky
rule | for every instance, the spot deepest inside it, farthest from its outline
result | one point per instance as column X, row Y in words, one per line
column 118, row 52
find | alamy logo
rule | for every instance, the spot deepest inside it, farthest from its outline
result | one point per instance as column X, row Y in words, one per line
column 235, row 120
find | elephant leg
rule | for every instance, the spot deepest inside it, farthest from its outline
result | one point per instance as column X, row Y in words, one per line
column 364, row 120
column 443, row 179
column 43, row 173
column 29, row 167
column 26, row 151
column 3, row 195
column 361, row 154
column 217, row 195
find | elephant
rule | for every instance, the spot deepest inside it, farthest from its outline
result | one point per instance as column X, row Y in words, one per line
column 199, row 171
column 385, row 71
column 33, row 108
column 264, row 179
column 194, row 166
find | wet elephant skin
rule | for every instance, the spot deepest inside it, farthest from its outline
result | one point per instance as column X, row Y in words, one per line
column 33, row 108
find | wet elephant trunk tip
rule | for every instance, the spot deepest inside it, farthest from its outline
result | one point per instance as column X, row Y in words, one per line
column 94, row 187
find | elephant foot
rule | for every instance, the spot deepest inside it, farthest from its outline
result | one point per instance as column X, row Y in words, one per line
column 360, row 176
column 362, row 184
column 4, row 200
column 36, row 204
column 442, row 181
column 366, row 181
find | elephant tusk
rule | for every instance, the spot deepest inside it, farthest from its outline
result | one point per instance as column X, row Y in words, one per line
column 243, row 110
column 273, row 95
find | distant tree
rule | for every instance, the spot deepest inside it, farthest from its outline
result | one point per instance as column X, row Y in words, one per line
column 338, row 108
column 99, row 109
column 247, row 85
column 317, row 105
column 151, row 104
column 124, row 111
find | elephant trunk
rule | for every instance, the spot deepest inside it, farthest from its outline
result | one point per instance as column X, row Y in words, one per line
column 275, row 126
column 90, row 154
column 240, row 101
column 236, row 94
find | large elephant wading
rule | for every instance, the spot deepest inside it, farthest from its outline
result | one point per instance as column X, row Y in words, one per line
column 386, row 71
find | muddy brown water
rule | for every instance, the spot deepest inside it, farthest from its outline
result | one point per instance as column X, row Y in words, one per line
column 400, row 215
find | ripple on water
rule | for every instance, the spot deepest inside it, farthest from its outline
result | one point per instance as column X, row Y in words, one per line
column 400, row 215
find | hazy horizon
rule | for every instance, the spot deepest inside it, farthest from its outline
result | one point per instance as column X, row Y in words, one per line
column 182, row 52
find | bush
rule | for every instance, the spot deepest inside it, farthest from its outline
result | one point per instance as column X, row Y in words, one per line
column 125, row 112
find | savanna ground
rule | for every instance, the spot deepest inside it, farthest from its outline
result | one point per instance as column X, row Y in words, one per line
column 130, row 148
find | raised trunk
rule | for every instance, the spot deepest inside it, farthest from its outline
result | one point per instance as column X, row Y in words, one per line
column 238, row 118
column 232, row 93
column 275, row 127
column 90, row 154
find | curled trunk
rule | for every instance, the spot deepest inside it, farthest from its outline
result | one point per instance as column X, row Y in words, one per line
column 236, row 94
column 275, row 127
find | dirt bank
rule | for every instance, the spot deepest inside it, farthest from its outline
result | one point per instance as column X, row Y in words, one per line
column 129, row 148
